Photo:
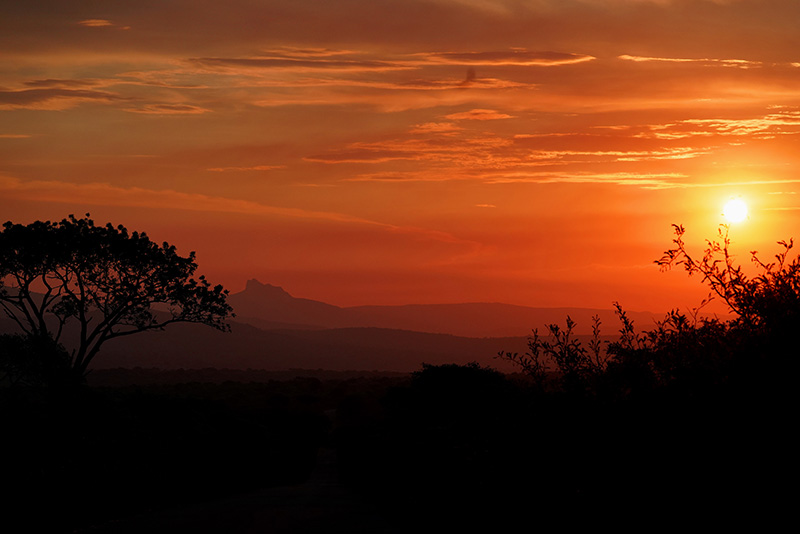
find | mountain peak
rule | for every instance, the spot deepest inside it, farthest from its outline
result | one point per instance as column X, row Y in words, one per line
column 254, row 287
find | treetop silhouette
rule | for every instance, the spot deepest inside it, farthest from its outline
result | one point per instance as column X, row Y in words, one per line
column 108, row 282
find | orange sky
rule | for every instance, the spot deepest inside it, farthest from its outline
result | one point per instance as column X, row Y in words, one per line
column 416, row 151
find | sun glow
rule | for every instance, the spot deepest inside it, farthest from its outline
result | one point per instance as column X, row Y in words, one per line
column 735, row 210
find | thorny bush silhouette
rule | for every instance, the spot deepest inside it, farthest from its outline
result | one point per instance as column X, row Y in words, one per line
column 683, row 351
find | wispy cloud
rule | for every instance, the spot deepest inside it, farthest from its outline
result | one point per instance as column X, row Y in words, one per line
column 245, row 169
column 291, row 77
column 53, row 98
column 516, row 57
column 173, row 78
column 479, row 151
column 479, row 115
column 446, row 128
column 414, row 84
column 739, row 63
column 357, row 155
column 62, row 82
column 353, row 61
column 96, row 23
column 772, row 124
column 643, row 180
column 101, row 23
column 781, row 122
column 428, row 175
column 685, row 152
column 316, row 52
column 169, row 109
column 303, row 64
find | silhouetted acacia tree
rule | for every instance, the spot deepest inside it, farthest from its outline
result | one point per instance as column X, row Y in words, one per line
column 106, row 281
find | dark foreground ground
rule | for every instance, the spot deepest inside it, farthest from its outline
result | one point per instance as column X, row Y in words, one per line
column 449, row 448
column 321, row 504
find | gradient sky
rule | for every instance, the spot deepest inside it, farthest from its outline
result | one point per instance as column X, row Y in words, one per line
column 411, row 151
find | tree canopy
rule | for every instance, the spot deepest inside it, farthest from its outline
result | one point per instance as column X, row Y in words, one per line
column 103, row 280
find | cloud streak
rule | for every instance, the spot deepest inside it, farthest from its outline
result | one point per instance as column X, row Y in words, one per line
column 514, row 57
column 654, row 181
column 101, row 23
column 245, row 169
column 738, row 63
column 96, row 23
column 53, row 98
column 62, row 83
column 479, row 115
column 287, row 63
column 169, row 109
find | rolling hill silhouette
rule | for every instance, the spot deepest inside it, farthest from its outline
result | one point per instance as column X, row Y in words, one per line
column 275, row 331
column 267, row 306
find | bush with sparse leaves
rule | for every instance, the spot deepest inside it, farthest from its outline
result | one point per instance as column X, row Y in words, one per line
column 685, row 351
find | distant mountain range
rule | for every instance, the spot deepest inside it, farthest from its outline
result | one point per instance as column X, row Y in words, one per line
column 276, row 331
column 269, row 307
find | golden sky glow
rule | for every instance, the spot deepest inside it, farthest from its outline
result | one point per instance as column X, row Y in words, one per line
column 361, row 152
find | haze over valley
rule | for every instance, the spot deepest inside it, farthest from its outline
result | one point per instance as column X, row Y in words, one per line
column 274, row 330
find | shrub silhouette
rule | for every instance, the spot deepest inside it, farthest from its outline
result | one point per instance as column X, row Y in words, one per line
column 575, row 365
column 103, row 280
column 767, row 301
column 684, row 352
column 767, row 305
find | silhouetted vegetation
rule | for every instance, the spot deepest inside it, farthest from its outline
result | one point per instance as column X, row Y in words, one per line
column 711, row 397
column 684, row 352
column 101, row 281
column 685, row 423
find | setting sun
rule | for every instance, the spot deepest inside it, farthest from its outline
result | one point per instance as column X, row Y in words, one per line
column 353, row 155
column 735, row 210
